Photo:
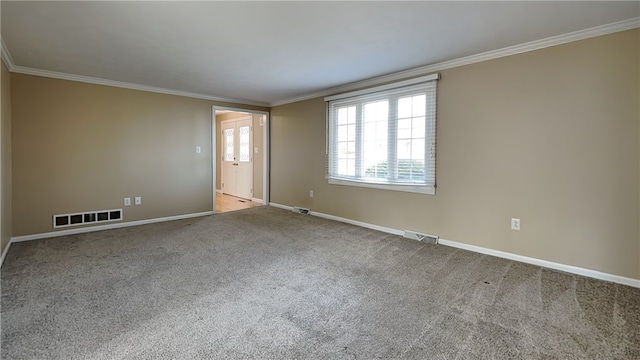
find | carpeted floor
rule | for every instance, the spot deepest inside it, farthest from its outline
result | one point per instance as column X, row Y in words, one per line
column 265, row 283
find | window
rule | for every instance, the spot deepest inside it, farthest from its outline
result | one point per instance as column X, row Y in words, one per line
column 384, row 137
column 228, row 151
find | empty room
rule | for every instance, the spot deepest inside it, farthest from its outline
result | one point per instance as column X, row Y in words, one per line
column 320, row 180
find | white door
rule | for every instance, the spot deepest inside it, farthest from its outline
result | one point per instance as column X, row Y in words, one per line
column 237, row 162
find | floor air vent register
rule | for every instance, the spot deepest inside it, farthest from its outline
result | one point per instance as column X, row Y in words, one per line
column 427, row 238
column 91, row 217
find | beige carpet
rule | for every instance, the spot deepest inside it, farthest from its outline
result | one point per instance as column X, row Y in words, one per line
column 265, row 283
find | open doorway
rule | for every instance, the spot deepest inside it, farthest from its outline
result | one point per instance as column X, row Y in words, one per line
column 240, row 154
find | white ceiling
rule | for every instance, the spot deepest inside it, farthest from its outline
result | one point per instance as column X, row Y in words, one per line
column 272, row 52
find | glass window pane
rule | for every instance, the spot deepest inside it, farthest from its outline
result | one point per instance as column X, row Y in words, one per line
column 351, row 149
column 342, row 167
column 404, row 129
column 404, row 149
column 244, row 143
column 342, row 116
column 382, row 129
column 352, row 114
column 228, row 141
column 419, row 105
column 369, row 131
column 404, row 107
column 418, row 127
column 342, row 133
column 351, row 167
column 376, row 128
column 342, row 149
column 417, row 149
column 351, row 132
column 376, row 111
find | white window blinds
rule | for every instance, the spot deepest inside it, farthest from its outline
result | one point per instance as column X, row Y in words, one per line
column 384, row 137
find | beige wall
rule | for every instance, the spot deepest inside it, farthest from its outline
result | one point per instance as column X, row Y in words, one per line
column 550, row 136
column 81, row 147
column 5, row 160
column 258, row 158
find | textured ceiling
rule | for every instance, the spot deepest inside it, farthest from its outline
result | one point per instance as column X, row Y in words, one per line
column 269, row 52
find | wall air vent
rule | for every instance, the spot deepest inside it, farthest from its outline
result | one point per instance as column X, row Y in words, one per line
column 300, row 210
column 429, row 239
column 89, row 217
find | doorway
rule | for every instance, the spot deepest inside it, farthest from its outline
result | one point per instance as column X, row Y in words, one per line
column 240, row 156
column 237, row 158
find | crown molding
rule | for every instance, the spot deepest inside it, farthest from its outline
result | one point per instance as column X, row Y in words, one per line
column 402, row 75
column 6, row 56
column 8, row 60
column 472, row 59
column 127, row 85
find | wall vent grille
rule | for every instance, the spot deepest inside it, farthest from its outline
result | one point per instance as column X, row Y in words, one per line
column 427, row 238
column 89, row 217
column 300, row 210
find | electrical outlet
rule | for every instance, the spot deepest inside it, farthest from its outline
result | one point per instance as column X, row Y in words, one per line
column 198, row 149
column 515, row 224
column 310, row 193
column 127, row 201
column 138, row 200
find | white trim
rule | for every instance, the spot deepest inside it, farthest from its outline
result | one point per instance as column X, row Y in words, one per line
column 395, row 85
column 280, row 206
column 266, row 136
column 419, row 189
column 266, row 150
column 546, row 264
column 127, row 85
column 214, row 152
column 468, row 60
column 4, row 253
column 240, row 110
column 6, row 56
column 478, row 249
column 106, row 227
column 344, row 220
column 419, row 71
column 256, row 200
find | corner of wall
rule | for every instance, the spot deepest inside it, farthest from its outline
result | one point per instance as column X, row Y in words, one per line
column 5, row 161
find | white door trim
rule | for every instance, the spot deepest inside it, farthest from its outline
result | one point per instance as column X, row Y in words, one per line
column 266, row 150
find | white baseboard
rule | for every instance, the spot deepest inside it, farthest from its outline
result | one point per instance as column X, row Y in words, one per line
column 280, row 206
column 502, row 254
column 256, row 200
column 344, row 220
column 105, row 227
column 4, row 253
column 544, row 263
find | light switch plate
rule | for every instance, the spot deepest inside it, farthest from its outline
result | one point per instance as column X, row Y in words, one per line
column 138, row 200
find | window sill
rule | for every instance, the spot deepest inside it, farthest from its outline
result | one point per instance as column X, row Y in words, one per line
column 420, row 189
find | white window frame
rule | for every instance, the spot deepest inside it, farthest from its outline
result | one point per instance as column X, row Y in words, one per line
column 391, row 92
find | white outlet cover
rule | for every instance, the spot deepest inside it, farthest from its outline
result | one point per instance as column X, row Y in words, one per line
column 198, row 149
column 138, row 200
column 515, row 224
column 127, row 201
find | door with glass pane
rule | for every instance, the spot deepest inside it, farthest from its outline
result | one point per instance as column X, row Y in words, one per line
column 237, row 164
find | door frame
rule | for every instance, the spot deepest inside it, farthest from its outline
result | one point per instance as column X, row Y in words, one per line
column 266, row 150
